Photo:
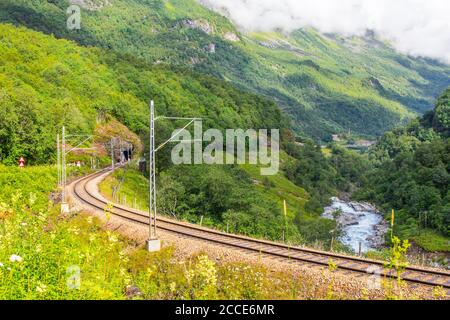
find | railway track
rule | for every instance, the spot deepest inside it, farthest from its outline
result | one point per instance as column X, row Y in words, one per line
column 354, row 265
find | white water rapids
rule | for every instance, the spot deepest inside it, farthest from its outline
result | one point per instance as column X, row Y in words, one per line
column 361, row 223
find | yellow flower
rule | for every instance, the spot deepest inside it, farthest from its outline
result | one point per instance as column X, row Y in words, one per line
column 74, row 230
column 207, row 270
column 32, row 199
column 112, row 238
column 123, row 256
column 150, row 271
column 41, row 288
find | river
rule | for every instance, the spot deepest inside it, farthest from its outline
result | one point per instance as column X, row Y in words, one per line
column 361, row 223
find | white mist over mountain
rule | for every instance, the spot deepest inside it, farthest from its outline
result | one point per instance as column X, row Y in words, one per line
column 415, row 27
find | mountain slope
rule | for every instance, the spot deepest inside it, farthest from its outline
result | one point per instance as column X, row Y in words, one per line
column 326, row 83
column 45, row 83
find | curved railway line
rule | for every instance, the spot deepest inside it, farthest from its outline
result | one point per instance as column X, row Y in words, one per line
column 354, row 265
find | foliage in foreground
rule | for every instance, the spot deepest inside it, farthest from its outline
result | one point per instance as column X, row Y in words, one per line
column 47, row 256
column 44, row 255
column 20, row 185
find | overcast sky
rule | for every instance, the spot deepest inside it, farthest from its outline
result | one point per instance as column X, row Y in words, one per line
column 415, row 27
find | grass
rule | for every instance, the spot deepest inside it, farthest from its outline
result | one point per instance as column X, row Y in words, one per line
column 131, row 186
column 45, row 255
column 48, row 256
column 430, row 240
column 18, row 185
column 279, row 188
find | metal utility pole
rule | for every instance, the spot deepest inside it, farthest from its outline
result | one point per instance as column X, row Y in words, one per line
column 58, row 159
column 63, row 165
column 64, row 205
column 285, row 221
column 153, row 244
column 62, row 152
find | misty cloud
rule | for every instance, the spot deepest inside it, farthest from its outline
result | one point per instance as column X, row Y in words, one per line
column 415, row 27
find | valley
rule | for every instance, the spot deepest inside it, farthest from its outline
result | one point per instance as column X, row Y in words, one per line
column 363, row 131
column 327, row 84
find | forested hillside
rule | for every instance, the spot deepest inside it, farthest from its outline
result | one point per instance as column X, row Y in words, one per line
column 327, row 84
column 46, row 83
column 412, row 174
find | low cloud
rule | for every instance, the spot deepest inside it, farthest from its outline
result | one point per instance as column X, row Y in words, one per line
column 415, row 27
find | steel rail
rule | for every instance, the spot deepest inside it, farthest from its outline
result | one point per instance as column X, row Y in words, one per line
column 412, row 274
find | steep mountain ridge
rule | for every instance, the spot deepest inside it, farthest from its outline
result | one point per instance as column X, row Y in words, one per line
column 326, row 83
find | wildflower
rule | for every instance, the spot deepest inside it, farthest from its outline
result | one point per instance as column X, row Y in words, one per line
column 41, row 288
column 332, row 266
column 32, row 199
column 1, row 265
column 16, row 197
column 74, row 230
column 15, row 258
column 439, row 293
column 123, row 256
column 90, row 220
column 150, row 271
column 206, row 270
column 5, row 208
column 112, row 238
column 42, row 216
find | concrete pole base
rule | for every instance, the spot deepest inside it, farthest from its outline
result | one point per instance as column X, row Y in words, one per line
column 153, row 245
